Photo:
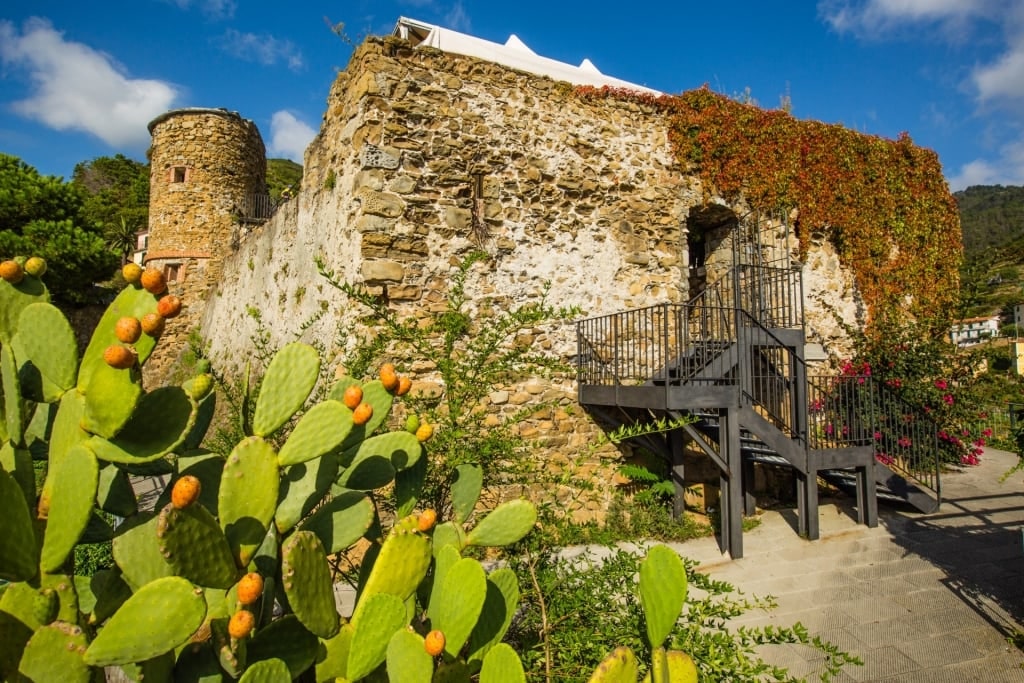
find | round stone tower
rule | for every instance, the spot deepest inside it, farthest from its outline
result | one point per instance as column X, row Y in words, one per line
column 207, row 182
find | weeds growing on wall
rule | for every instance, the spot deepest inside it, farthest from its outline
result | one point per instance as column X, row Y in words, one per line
column 472, row 347
column 884, row 204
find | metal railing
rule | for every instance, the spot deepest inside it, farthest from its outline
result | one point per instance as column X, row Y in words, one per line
column 257, row 208
column 664, row 343
column 773, row 296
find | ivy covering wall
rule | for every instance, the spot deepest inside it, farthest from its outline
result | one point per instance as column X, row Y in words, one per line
column 884, row 204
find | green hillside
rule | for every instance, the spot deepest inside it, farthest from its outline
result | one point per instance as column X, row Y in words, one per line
column 992, row 220
column 282, row 173
column 990, row 216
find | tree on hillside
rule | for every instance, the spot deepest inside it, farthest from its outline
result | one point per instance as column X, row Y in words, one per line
column 44, row 216
column 990, row 216
column 115, row 199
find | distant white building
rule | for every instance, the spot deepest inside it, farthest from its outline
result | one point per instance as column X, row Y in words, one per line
column 974, row 330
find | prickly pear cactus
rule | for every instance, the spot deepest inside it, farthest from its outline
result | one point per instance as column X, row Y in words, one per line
column 307, row 482
column 663, row 587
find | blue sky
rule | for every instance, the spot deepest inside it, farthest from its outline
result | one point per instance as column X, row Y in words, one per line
column 80, row 80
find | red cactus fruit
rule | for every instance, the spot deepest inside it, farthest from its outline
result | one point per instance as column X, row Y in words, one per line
column 132, row 273
column 241, row 624
column 169, row 306
column 250, row 588
column 153, row 281
column 153, row 324
column 388, row 377
column 434, row 643
column 404, row 385
column 362, row 414
column 12, row 272
column 353, row 396
column 425, row 522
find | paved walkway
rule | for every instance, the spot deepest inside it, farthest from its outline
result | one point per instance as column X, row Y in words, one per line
column 929, row 598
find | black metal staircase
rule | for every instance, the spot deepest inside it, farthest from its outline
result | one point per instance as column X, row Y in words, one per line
column 732, row 359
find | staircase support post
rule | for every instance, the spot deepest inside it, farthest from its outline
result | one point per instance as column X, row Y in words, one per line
column 676, row 444
column 807, row 504
column 732, row 483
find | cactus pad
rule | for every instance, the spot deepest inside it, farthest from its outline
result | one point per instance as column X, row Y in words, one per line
column 267, row 671
column 505, row 524
column 496, row 616
column 502, row 665
column 466, row 486
column 248, row 496
column 110, row 399
column 662, row 592
column 379, row 399
column 463, row 591
column 14, row 403
column 285, row 639
column 131, row 302
column 382, row 615
column 444, row 559
column 341, row 521
column 136, row 550
column 114, row 493
column 333, row 661
column 71, row 503
column 449, row 534
column 101, row 594
column 373, row 463
column 400, row 566
column 407, row 661
column 302, row 487
column 54, row 653
column 159, row 617
column 14, row 299
column 307, row 583
column 156, row 427
column 618, row 667
column 18, row 549
column 53, row 353
column 289, row 378
column 322, row 429
column 191, row 541
column 409, row 486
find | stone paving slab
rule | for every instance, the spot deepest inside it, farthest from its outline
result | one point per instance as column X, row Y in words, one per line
column 929, row 598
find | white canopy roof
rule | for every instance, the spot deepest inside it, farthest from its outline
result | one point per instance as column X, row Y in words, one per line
column 514, row 53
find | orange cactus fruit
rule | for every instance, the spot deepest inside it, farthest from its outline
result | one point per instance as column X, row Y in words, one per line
column 153, row 324
column 128, row 329
column 119, row 357
column 241, row 624
column 404, row 385
column 388, row 377
column 250, row 588
column 426, row 521
column 132, row 273
column 153, row 281
column 185, row 491
column 434, row 643
column 362, row 414
column 424, row 432
column 353, row 396
column 169, row 306
column 12, row 272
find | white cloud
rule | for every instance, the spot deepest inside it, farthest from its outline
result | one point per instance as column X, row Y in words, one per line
column 289, row 136
column 262, row 49
column 868, row 18
column 214, row 9
column 1006, row 169
column 75, row 87
column 1003, row 79
column 457, row 19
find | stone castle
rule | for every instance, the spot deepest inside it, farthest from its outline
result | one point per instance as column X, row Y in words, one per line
column 424, row 155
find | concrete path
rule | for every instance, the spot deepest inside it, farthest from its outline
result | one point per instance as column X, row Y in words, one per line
column 929, row 598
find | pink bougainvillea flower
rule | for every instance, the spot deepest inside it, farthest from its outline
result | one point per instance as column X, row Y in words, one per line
column 941, row 384
column 948, row 398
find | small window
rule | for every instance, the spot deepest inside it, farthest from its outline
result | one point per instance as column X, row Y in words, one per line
column 178, row 174
column 172, row 272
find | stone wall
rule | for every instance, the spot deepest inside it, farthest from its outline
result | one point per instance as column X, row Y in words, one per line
column 423, row 157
